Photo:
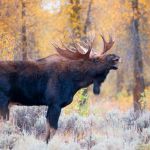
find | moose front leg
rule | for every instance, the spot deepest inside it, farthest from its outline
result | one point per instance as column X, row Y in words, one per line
column 52, row 117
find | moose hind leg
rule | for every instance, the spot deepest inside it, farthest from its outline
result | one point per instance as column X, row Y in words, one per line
column 5, row 113
column 52, row 117
column 4, row 110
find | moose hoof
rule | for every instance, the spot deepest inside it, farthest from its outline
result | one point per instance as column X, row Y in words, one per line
column 50, row 132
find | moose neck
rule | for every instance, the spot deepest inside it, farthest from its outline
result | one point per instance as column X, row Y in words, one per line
column 85, row 73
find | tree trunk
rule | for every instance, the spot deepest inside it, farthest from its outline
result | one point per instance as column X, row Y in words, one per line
column 75, row 20
column 87, row 27
column 32, row 50
column 23, row 32
column 88, row 21
column 120, row 80
column 138, row 63
column 77, row 30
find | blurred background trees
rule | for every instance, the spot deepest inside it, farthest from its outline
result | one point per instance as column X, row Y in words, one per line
column 28, row 27
column 138, row 62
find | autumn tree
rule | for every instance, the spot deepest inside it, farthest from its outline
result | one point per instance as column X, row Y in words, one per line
column 138, row 62
column 79, row 30
column 27, row 29
column 24, row 30
column 87, row 26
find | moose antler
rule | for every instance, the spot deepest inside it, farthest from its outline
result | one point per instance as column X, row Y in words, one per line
column 107, row 45
column 80, row 50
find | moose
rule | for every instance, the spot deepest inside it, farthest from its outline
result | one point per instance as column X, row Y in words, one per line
column 53, row 81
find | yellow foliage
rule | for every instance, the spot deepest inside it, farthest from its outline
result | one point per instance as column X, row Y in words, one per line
column 54, row 23
column 6, row 42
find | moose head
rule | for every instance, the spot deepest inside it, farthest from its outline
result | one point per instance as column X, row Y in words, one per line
column 96, row 65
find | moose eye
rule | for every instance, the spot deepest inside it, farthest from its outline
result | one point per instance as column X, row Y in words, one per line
column 96, row 60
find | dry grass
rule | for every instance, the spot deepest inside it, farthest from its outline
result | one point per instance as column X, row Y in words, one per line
column 115, row 130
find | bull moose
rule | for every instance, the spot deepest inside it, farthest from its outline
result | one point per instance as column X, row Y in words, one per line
column 53, row 81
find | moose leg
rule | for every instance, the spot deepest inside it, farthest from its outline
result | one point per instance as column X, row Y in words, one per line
column 52, row 117
column 5, row 113
column 4, row 110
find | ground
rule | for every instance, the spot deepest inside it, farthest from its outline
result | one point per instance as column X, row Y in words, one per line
column 113, row 129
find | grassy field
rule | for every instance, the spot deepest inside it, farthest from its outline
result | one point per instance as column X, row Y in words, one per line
column 105, row 124
column 115, row 130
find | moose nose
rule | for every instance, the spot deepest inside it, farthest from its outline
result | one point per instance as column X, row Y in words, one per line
column 116, row 59
column 120, row 60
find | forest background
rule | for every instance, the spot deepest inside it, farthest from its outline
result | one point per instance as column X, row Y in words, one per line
column 29, row 27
